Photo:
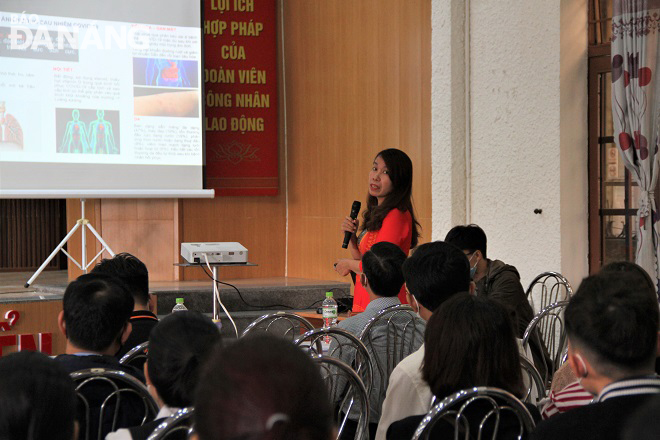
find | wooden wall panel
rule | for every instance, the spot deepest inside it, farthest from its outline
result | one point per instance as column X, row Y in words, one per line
column 358, row 81
column 146, row 228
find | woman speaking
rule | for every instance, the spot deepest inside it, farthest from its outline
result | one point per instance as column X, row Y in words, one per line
column 389, row 217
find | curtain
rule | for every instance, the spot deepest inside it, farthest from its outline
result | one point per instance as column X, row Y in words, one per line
column 636, row 113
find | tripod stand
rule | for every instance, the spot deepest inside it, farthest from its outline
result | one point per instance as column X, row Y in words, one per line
column 84, row 264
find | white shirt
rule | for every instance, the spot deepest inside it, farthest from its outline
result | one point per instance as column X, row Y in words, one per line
column 407, row 393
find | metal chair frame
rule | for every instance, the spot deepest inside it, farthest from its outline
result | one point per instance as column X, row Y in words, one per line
column 554, row 338
column 362, row 362
column 454, row 407
column 535, row 381
column 265, row 322
column 332, row 369
column 397, row 349
column 139, row 352
column 181, row 421
column 114, row 379
column 552, row 285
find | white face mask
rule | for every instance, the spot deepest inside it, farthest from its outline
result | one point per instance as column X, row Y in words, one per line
column 417, row 304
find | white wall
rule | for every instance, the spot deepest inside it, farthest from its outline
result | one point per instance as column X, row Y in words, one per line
column 527, row 131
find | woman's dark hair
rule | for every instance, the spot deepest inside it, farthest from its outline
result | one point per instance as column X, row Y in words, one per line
column 178, row 346
column 37, row 398
column 470, row 342
column 262, row 387
column 400, row 169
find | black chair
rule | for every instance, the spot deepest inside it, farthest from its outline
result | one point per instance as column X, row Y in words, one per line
column 136, row 356
column 110, row 400
column 285, row 324
column 481, row 412
column 549, row 323
column 175, row 427
column 345, row 386
column 340, row 344
column 535, row 387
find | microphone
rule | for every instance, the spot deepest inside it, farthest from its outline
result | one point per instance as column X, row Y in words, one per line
column 355, row 210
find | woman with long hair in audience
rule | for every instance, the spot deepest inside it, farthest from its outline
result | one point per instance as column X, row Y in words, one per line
column 178, row 346
column 262, row 388
column 389, row 217
column 37, row 398
column 469, row 342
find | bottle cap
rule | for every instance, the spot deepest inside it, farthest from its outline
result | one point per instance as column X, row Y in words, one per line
column 179, row 300
column 328, row 294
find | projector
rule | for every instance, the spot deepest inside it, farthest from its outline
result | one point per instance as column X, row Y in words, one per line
column 228, row 252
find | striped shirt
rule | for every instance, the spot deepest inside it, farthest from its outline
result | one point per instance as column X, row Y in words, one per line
column 572, row 396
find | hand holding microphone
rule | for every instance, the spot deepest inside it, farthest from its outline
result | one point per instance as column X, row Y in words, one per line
column 350, row 223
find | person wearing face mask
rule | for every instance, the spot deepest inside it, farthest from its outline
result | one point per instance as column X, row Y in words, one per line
column 612, row 325
column 434, row 273
column 382, row 279
column 500, row 282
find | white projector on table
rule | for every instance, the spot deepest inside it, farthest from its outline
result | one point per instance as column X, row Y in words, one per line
column 227, row 252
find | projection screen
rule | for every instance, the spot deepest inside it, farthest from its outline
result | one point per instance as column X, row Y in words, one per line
column 101, row 96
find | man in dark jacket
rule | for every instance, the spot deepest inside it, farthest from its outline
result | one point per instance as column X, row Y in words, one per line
column 500, row 282
column 134, row 274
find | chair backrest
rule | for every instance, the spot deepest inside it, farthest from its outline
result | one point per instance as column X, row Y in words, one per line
column 548, row 288
column 340, row 344
column 390, row 336
column 549, row 323
column 285, row 324
column 178, row 426
column 481, row 412
column 109, row 400
column 136, row 356
column 535, row 386
column 346, row 387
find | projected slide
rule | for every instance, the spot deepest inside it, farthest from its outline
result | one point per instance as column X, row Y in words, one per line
column 100, row 83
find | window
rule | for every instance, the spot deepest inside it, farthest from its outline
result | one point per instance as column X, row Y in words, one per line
column 612, row 194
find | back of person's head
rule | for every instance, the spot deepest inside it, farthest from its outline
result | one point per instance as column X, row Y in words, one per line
column 96, row 309
column 435, row 272
column 469, row 342
column 613, row 317
column 178, row 346
column 382, row 267
column 631, row 268
column 131, row 271
column 468, row 238
column 37, row 398
column 262, row 387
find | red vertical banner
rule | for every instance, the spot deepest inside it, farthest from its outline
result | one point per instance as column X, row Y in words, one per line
column 240, row 76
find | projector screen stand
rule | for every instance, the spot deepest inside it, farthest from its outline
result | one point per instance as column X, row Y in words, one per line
column 84, row 264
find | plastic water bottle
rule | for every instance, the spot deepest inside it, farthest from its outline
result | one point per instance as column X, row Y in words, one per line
column 329, row 307
column 179, row 307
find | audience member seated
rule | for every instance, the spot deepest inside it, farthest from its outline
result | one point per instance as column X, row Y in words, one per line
column 382, row 278
column 262, row 387
column 134, row 274
column 469, row 342
column 37, row 398
column 178, row 346
column 94, row 321
column 567, row 392
column 500, row 282
column 433, row 273
column 612, row 327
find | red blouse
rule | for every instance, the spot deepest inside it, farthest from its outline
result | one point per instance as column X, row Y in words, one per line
column 397, row 229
